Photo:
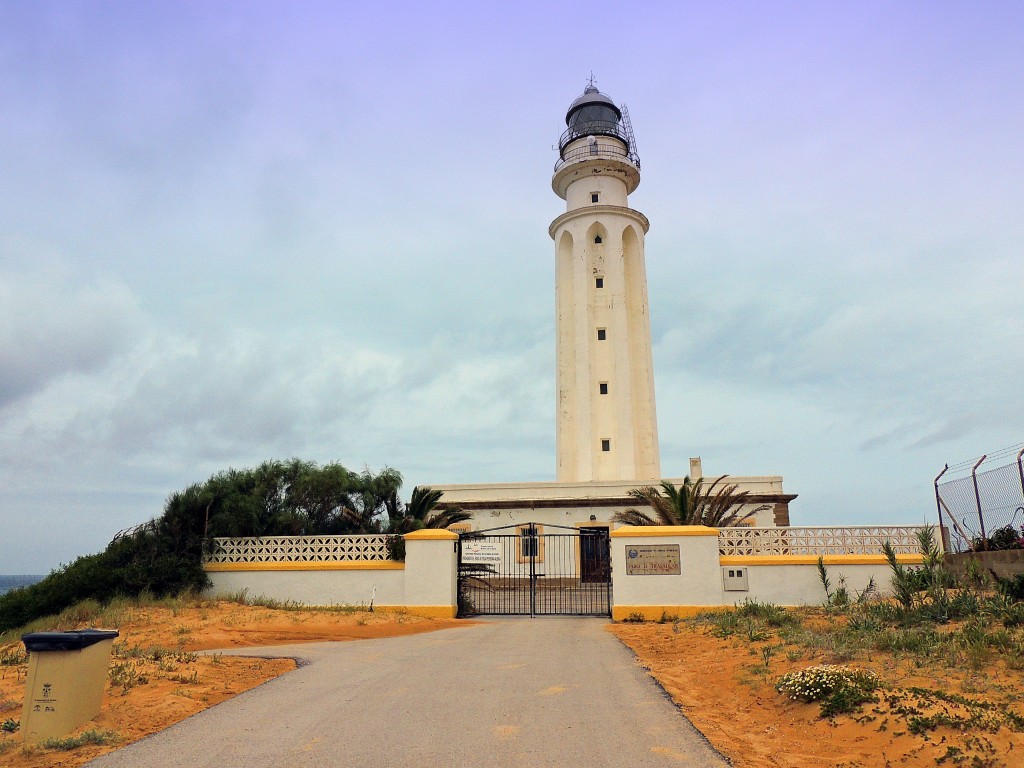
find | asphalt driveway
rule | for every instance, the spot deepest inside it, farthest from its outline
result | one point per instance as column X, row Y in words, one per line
column 549, row 691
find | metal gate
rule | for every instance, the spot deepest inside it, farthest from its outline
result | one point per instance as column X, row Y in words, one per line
column 533, row 569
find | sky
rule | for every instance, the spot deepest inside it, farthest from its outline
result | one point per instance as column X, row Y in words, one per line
column 239, row 231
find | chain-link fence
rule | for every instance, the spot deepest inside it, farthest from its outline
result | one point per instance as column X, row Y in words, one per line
column 981, row 501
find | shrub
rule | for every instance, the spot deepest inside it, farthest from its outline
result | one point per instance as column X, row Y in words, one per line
column 1012, row 587
column 839, row 689
column 1006, row 537
column 770, row 614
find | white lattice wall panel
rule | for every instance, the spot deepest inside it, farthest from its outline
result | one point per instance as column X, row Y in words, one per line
column 866, row 540
column 299, row 549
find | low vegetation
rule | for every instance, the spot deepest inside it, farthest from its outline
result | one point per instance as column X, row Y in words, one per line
column 838, row 688
column 87, row 738
column 163, row 557
column 887, row 660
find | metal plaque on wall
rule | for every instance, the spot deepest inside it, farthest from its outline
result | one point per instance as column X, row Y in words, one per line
column 652, row 559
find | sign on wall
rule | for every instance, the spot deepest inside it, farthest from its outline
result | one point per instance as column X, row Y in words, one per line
column 481, row 552
column 652, row 560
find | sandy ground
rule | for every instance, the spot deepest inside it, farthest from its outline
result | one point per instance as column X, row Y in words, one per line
column 158, row 680
column 724, row 687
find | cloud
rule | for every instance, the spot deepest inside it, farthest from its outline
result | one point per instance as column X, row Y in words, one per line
column 214, row 395
column 51, row 327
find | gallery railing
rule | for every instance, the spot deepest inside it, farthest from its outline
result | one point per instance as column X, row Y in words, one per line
column 588, row 151
column 299, row 549
column 864, row 540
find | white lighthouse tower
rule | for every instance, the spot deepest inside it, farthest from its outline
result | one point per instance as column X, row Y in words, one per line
column 606, row 423
column 606, row 428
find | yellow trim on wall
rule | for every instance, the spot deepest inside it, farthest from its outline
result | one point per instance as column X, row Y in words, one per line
column 655, row 612
column 426, row 611
column 636, row 531
column 352, row 565
column 813, row 559
column 431, row 534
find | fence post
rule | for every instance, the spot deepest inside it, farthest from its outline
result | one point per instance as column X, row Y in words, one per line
column 938, row 503
column 977, row 498
column 1020, row 469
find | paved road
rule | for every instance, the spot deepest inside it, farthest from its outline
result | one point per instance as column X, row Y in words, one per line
column 512, row 692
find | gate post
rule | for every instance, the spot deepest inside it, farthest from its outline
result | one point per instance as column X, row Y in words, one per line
column 665, row 569
column 534, row 548
column 431, row 572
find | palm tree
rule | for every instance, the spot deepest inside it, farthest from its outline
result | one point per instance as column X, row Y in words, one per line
column 422, row 512
column 689, row 504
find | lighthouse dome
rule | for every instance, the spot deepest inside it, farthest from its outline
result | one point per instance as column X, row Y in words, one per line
column 592, row 114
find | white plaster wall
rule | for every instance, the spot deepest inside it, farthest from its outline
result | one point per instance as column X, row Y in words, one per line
column 571, row 491
column 428, row 579
column 431, row 572
column 568, row 517
column 314, row 587
column 800, row 584
column 699, row 582
column 610, row 190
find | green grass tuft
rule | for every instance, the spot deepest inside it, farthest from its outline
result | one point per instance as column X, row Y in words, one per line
column 88, row 738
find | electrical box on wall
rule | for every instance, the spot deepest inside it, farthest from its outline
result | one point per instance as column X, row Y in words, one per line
column 735, row 579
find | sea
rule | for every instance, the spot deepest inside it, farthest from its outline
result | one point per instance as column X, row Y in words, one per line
column 7, row 583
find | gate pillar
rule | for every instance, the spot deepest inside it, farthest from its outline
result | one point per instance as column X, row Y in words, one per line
column 431, row 572
column 665, row 569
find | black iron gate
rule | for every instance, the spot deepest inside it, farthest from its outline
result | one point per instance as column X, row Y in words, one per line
column 533, row 569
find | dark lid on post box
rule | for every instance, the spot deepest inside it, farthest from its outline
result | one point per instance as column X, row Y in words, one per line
column 66, row 641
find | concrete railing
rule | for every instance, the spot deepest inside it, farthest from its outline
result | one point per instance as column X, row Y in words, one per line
column 863, row 540
column 300, row 549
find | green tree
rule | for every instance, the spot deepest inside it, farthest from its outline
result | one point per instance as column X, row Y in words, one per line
column 692, row 503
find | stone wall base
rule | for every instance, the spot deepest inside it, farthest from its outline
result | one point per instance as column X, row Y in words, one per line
column 1003, row 563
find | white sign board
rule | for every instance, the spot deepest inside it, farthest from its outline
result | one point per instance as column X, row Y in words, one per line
column 482, row 552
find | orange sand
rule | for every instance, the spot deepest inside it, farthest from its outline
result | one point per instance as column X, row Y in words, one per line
column 724, row 688
column 179, row 684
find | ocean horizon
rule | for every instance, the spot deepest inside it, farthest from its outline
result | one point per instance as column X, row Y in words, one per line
column 13, row 581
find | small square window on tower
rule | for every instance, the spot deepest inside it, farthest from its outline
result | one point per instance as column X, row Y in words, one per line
column 598, row 240
column 595, row 196
column 603, row 387
column 606, row 445
column 599, row 282
column 601, row 334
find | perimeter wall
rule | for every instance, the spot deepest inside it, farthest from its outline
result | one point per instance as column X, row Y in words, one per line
column 703, row 568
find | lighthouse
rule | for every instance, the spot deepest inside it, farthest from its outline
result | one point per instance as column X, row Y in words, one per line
column 606, row 427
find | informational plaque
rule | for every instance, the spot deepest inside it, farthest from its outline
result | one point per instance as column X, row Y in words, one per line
column 481, row 552
column 652, row 560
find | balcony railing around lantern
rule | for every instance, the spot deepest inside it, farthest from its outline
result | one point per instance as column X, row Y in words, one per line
column 593, row 128
column 588, row 151
column 866, row 540
column 299, row 549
